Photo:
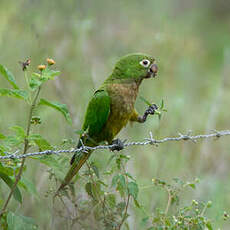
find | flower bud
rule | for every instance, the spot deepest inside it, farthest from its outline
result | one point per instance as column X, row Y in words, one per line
column 50, row 61
column 41, row 67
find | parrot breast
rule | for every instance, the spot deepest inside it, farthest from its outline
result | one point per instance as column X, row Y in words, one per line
column 123, row 97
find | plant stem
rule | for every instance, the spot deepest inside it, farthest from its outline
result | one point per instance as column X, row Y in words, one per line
column 27, row 84
column 125, row 214
column 169, row 201
column 203, row 211
column 26, row 145
column 127, row 202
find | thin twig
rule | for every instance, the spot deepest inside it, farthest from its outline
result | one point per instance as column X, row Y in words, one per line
column 148, row 141
column 26, row 145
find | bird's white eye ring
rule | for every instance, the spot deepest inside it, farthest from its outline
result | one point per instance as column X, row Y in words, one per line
column 145, row 63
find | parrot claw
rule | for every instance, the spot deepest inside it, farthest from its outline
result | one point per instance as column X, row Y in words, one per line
column 118, row 145
column 151, row 109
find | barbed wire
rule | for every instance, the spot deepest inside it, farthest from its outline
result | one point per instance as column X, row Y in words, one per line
column 147, row 141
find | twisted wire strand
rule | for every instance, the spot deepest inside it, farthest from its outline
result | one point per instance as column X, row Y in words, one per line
column 148, row 141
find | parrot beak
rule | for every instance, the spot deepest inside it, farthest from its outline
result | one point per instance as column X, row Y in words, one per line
column 152, row 71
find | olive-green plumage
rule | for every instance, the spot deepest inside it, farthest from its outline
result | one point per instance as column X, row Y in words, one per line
column 112, row 105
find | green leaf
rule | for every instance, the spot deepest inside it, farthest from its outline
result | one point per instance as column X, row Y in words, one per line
column 19, row 131
column 192, row 185
column 114, row 180
column 88, row 189
column 144, row 221
column 110, row 159
column 13, row 141
column 209, row 226
column 133, row 189
column 162, row 104
column 96, row 190
column 122, row 181
column 41, row 142
column 8, row 76
column 95, row 169
column 2, row 136
column 34, row 82
column 20, row 222
column 37, row 79
column 50, row 74
column 93, row 190
column 122, row 156
column 4, row 148
column 137, row 204
column 38, row 75
column 79, row 132
column 58, row 106
column 119, row 182
column 111, row 200
column 102, row 183
column 18, row 93
column 6, row 170
column 29, row 186
column 130, row 176
column 144, row 100
column 17, row 194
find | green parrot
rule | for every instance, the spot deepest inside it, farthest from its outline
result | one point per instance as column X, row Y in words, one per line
column 112, row 106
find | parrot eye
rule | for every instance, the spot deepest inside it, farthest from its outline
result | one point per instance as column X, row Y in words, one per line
column 145, row 63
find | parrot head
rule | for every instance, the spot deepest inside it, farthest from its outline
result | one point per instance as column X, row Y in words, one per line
column 136, row 67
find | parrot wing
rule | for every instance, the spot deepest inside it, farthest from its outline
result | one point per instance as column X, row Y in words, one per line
column 97, row 112
column 96, row 116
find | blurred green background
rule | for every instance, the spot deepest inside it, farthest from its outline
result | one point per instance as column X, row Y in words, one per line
column 191, row 42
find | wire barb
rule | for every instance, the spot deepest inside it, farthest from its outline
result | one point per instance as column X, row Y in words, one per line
column 148, row 141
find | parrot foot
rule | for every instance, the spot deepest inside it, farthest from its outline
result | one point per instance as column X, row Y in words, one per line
column 119, row 145
column 150, row 110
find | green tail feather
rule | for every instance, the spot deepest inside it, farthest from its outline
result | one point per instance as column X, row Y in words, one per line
column 77, row 162
column 75, row 167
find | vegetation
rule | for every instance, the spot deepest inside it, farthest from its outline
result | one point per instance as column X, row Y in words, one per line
column 141, row 187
